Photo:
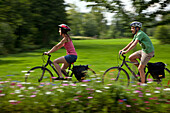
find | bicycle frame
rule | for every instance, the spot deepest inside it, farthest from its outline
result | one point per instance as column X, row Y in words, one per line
column 124, row 62
column 49, row 62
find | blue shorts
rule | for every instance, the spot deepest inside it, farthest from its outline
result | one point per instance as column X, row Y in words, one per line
column 70, row 58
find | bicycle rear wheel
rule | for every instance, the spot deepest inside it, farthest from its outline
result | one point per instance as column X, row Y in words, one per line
column 116, row 75
column 38, row 74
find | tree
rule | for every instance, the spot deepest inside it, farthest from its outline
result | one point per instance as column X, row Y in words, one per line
column 139, row 7
column 46, row 17
column 7, row 38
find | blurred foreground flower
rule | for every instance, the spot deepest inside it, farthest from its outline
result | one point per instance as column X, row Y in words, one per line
column 99, row 91
column 167, row 89
column 14, row 102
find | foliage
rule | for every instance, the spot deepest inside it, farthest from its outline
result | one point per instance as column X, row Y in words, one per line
column 33, row 23
column 90, row 96
column 86, row 24
column 162, row 34
column 140, row 11
column 7, row 38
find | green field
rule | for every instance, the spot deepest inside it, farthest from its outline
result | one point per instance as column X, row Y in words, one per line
column 98, row 54
column 16, row 96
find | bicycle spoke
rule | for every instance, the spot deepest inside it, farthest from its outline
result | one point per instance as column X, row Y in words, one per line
column 115, row 75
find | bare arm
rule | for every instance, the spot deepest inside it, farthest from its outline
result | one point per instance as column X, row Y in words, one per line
column 130, row 47
column 58, row 46
column 125, row 48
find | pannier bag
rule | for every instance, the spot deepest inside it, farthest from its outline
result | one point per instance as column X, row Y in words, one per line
column 156, row 70
column 80, row 71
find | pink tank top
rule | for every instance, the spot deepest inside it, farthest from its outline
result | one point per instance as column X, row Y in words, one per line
column 70, row 48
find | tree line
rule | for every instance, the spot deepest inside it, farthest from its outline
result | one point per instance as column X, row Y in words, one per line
column 31, row 24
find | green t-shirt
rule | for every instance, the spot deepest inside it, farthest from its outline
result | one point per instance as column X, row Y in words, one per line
column 144, row 41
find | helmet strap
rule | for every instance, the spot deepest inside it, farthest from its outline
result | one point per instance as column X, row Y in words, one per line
column 135, row 30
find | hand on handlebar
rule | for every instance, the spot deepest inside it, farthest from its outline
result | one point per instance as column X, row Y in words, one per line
column 46, row 53
column 121, row 52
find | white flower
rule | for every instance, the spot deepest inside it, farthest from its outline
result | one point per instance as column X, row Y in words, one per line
column 48, row 93
column 31, row 88
column 61, row 90
column 54, row 87
column 98, row 78
column 99, row 91
column 12, row 100
column 167, row 89
column 17, row 91
column 156, row 91
column 20, row 95
column 23, row 83
column 143, row 84
column 98, row 81
column 83, row 84
column 106, row 87
column 148, row 94
column 27, row 74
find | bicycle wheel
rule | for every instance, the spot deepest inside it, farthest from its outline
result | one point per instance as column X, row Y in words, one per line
column 38, row 74
column 116, row 75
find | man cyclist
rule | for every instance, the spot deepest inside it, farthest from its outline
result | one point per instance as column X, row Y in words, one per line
column 145, row 54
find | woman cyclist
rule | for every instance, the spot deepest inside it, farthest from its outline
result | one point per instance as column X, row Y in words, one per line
column 145, row 54
column 71, row 53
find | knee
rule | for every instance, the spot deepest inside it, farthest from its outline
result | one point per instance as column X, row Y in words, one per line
column 131, row 58
column 55, row 62
column 140, row 68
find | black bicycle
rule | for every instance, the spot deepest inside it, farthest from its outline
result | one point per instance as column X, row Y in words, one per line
column 44, row 74
column 120, row 75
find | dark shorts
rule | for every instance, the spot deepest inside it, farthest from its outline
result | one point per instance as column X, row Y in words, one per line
column 70, row 58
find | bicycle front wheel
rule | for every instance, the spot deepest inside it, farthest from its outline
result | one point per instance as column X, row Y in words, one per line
column 116, row 75
column 38, row 74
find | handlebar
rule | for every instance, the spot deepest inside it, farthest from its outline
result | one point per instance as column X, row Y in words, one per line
column 122, row 56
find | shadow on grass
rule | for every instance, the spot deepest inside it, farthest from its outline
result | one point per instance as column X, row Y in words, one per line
column 3, row 62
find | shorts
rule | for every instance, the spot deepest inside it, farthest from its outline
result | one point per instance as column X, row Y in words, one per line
column 144, row 57
column 70, row 58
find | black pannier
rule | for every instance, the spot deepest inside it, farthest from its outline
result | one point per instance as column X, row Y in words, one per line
column 80, row 71
column 156, row 70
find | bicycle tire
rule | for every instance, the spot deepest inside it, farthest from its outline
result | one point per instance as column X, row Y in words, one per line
column 38, row 74
column 116, row 75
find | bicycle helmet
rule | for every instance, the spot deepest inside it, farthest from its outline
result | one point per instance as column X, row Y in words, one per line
column 136, row 24
column 64, row 27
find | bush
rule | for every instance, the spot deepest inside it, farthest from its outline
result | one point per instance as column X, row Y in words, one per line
column 7, row 39
column 162, row 34
column 81, row 97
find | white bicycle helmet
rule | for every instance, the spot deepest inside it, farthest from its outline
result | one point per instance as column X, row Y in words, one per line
column 136, row 24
